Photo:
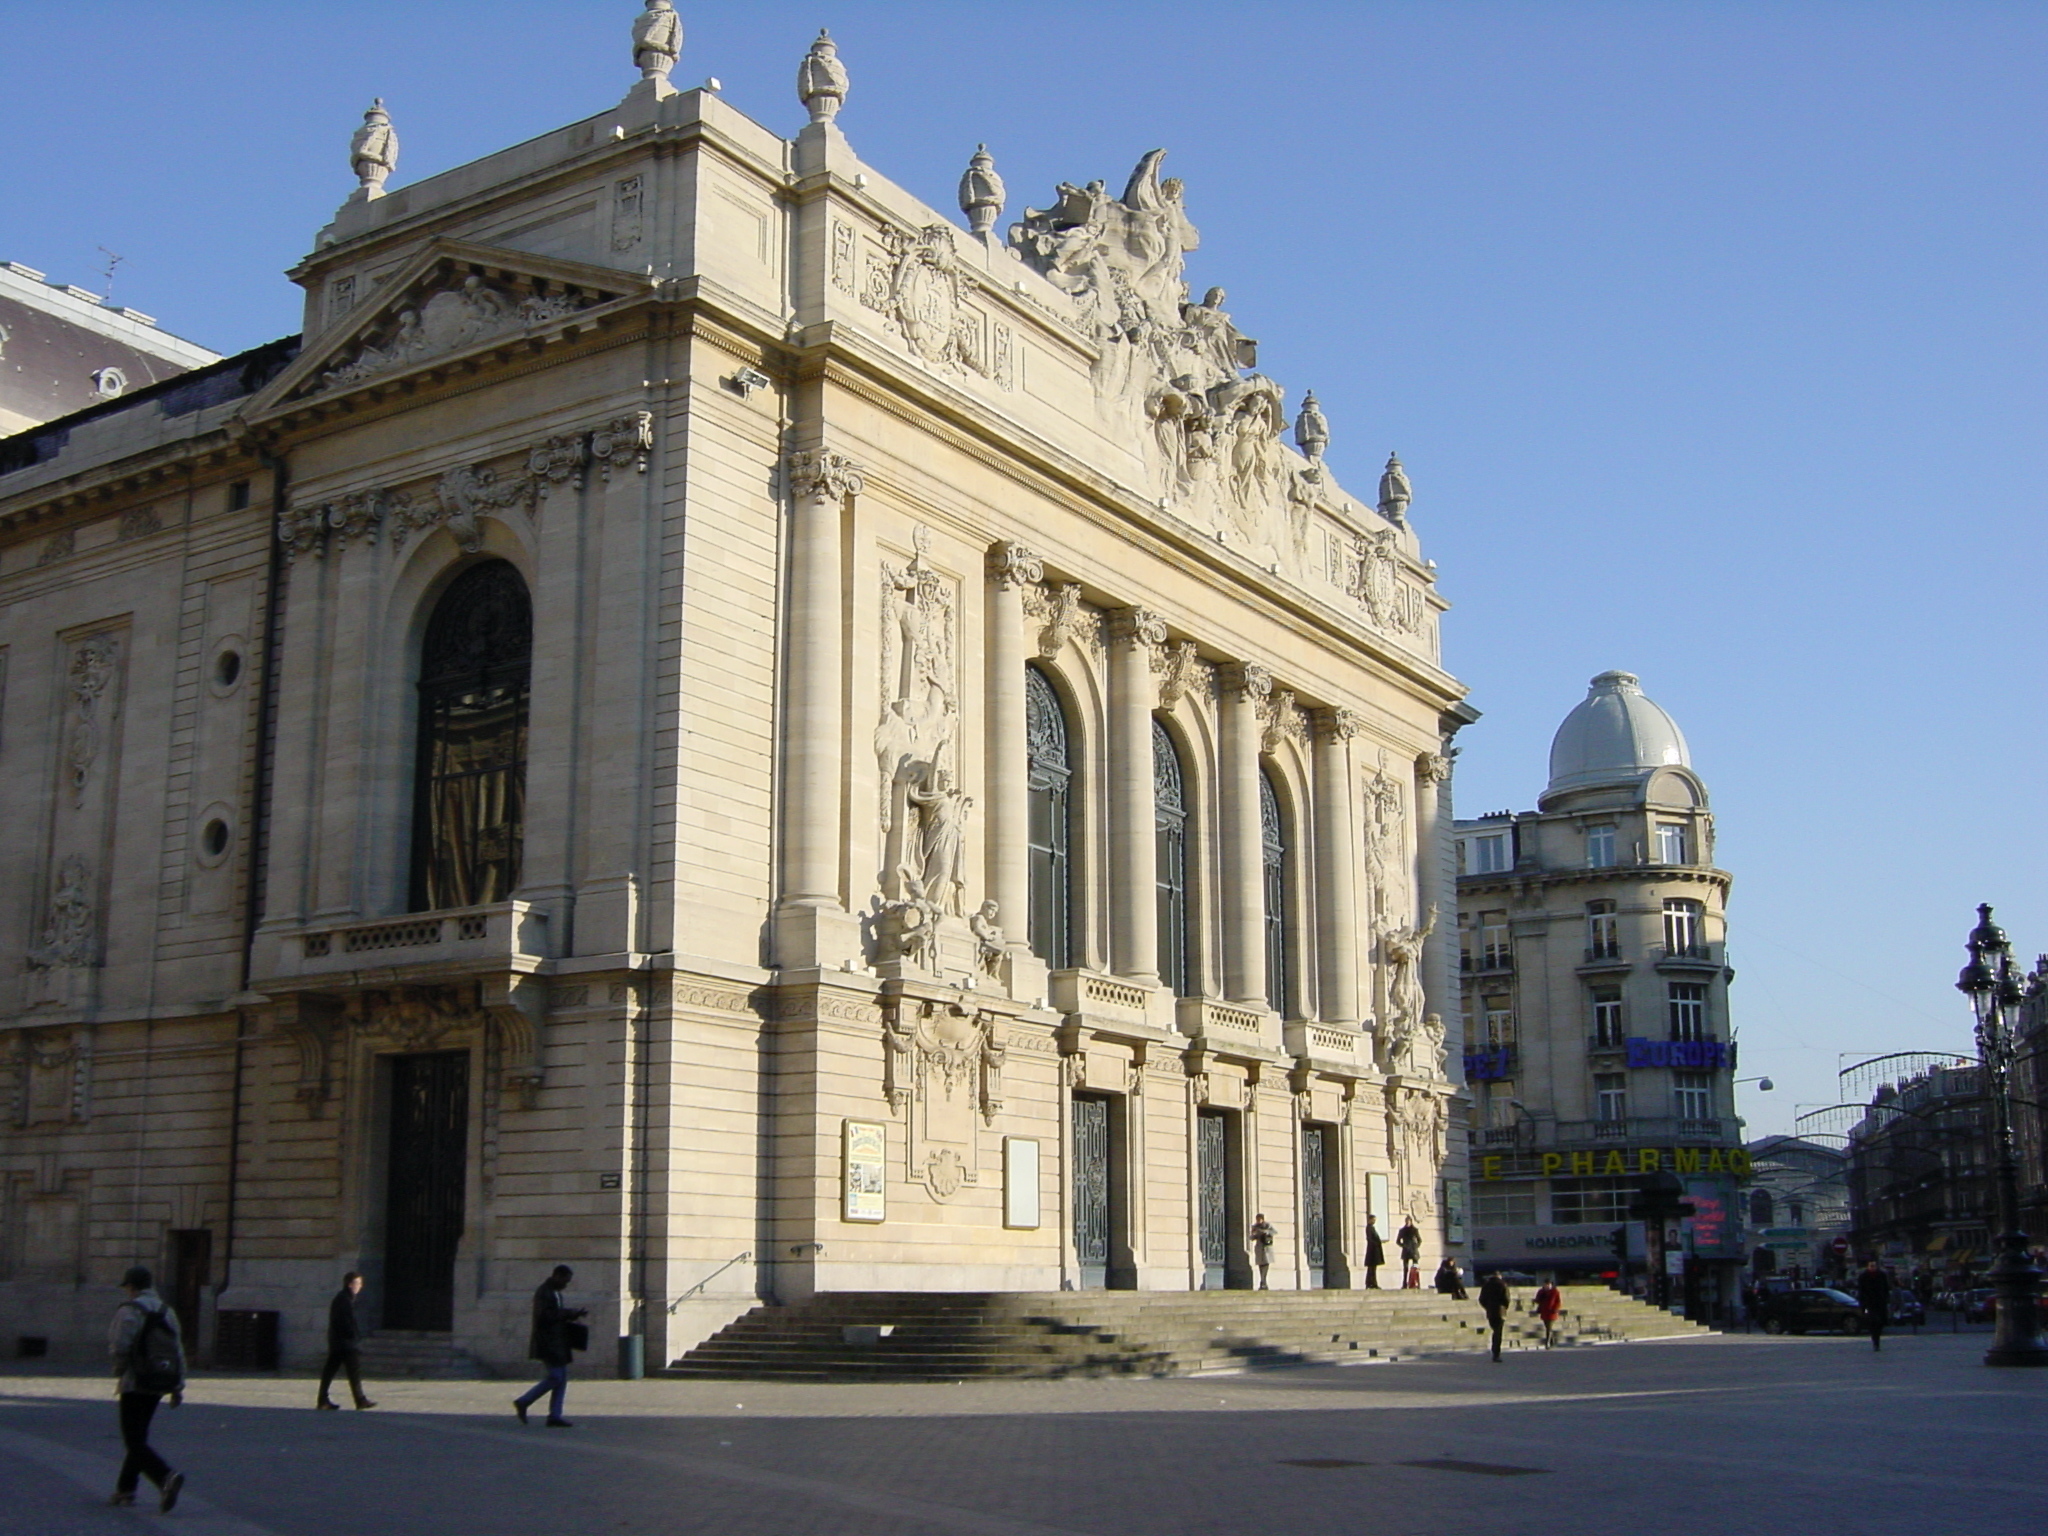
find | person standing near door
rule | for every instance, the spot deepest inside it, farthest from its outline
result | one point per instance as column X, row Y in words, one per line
column 551, row 1345
column 1493, row 1301
column 1408, row 1241
column 1262, row 1235
column 344, row 1343
column 1375, row 1254
column 149, row 1360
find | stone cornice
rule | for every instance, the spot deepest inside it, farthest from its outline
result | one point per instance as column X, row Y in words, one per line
column 1632, row 874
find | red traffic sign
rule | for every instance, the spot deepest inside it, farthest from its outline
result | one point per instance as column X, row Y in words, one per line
column 1840, row 1245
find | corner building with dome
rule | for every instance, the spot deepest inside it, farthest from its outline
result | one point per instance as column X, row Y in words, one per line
column 1594, row 975
column 713, row 722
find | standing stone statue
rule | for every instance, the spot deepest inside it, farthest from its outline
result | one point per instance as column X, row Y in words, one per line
column 657, row 42
column 1311, row 429
column 821, row 80
column 1395, row 493
column 373, row 152
column 981, row 193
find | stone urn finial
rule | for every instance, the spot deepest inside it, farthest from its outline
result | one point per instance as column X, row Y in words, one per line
column 373, row 153
column 1395, row 492
column 981, row 193
column 1311, row 429
column 821, row 80
column 657, row 44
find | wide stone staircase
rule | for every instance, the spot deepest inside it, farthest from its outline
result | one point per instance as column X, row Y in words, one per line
column 920, row 1336
column 392, row 1354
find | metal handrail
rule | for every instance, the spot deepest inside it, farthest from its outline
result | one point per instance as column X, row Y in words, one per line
column 698, row 1288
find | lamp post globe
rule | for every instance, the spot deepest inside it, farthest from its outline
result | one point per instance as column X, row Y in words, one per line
column 1992, row 984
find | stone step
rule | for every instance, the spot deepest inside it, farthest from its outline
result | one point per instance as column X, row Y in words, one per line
column 405, row 1355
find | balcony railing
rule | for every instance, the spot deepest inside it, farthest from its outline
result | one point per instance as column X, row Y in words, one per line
column 1487, row 962
column 1688, row 957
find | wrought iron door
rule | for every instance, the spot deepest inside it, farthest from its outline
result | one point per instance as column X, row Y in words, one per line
column 1091, row 1189
column 423, row 1207
column 1314, row 1227
column 1212, row 1196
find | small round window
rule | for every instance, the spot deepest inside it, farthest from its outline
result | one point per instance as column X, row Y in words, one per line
column 227, row 669
column 213, row 838
column 109, row 383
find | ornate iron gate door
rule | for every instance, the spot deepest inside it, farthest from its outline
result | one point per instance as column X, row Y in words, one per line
column 1314, row 1230
column 423, row 1202
column 1211, row 1202
column 1091, row 1190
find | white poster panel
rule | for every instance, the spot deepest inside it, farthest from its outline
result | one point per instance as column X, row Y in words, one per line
column 867, row 1156
column 1020, row 1181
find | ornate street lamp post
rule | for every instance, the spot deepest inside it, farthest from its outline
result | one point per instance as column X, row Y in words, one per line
column 1992, row 983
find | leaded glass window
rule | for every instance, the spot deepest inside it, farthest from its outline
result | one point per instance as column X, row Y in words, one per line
column 469, row 803
column 1170, row 811
column 1273, row 832
column 1051, row 780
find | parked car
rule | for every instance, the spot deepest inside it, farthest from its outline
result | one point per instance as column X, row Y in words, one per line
column 1979, row 1305
column 1906, row 1307
column 1811, row 1309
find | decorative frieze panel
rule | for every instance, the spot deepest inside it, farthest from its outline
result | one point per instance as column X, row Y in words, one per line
column 916, row 282
column 942, row 1070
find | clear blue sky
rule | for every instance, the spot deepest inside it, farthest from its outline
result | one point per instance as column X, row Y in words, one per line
column 1711, row 334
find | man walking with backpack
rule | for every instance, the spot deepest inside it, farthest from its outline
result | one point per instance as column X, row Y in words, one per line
column 149, row 1359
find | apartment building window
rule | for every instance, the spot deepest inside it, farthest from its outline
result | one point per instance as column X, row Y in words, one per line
column 1607, row 1025
column 1509, row 1208
column 1490, row 854
column 1688, row 1005
column 1501, row 1112
column 1500, row 1023
column 1496, row 950
column 1671, row 842
column 1600, row 847
column 1603, row 931
column 1590, row 1202
column 1610, row 1096
column 1693, row 1094
column 1684, row 928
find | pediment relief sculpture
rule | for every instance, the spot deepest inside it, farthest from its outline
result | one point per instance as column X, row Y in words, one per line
column 443, row 321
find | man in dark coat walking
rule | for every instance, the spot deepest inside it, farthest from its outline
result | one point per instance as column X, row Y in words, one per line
column 1874, row 1296
column 1493, row 1301
column 549, row 1344
column 1375, row 1255
column 344, row 1343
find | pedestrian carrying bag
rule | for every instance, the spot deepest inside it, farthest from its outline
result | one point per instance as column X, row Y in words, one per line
column 579, row 1335
column 153, row 1357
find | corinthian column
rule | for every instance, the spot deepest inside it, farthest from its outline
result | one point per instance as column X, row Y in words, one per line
column 1133, row 815
column 1436, row 888
column 1007, row 867
column 814, row 716
column 1336, row 869
column 1244, row 688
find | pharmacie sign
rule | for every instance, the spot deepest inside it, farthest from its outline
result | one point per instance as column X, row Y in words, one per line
column 1616, row 1162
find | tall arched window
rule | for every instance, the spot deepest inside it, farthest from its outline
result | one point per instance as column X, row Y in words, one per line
column 469, row 802
column 1273, row 832
column 1051, row 770
column 1170, row 812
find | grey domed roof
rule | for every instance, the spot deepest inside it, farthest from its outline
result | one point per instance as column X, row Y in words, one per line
column 1614, row 736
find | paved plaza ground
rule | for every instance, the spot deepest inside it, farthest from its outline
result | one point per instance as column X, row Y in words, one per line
column 1817, row 1437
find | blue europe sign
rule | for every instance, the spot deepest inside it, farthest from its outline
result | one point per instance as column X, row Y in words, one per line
column 1708, row 1054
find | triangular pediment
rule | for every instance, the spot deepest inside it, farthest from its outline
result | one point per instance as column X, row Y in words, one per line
column 451, row 301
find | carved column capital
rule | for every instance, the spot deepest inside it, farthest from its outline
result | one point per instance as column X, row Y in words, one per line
column 1435, row 767
column 818, row 474
column 1012, row 565
column 1248, row 680
column 1137, row 626
column 1337, row 724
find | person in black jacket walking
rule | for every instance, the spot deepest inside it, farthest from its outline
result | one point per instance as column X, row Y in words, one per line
column 1874, row 1296
column 344, row 1343
column 550, row 1345
column 1493, row 1301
